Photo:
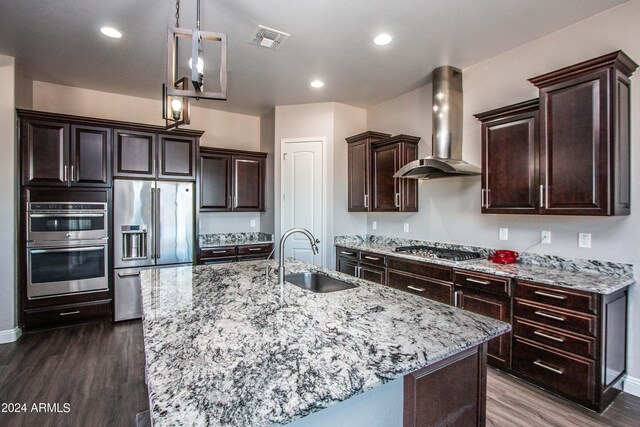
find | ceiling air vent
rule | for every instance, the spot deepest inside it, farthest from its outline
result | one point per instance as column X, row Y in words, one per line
column 269, row 38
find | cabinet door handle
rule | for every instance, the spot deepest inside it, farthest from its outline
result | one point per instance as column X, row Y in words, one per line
column 66, row 174
column 541, row 196
column 415, row 288
column 346, row 253
column 371, row 258
column 550, row 316
column 68, row 313
column 479, row 282
column 397, row 200
column 359, row 272
column 551, row 337
column 235, row 201
column 73, row 176
column 482, row 198
column 545, row 294
column 488, row 197
column 366, row 201
column 456, row 298
column 547, row 367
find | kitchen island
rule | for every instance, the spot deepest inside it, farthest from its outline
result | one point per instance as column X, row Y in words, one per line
column 225, row 345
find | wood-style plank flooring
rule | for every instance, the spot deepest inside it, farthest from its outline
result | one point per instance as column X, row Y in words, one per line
column 99, row 370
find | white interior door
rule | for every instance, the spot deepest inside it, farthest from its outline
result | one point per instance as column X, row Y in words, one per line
column 302, row 201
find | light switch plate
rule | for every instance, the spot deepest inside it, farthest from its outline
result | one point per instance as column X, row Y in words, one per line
column 374, row 225
column 504, row 234
column 584, row 240
column 253, row 223
column 406, row 227
column 545, row 237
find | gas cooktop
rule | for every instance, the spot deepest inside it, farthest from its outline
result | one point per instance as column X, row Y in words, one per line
column 433, row 252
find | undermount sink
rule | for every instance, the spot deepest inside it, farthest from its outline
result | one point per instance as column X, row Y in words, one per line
column 316, row 282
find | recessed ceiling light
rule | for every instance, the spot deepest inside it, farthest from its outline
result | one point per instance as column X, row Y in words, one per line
column 111, row 32
column 382, row 39
column 316, row 84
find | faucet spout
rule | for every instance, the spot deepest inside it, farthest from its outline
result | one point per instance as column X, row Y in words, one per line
column 312, row 240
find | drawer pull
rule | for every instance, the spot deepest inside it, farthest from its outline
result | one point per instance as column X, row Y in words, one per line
column 548, row 295
column 479, row 282
column 68, row 313
column 218, row 252
column 547, row 367
column 346, row 253
column 550, row 316
column 255, row 249
column 551, row 337
column 371, row 258
column 415, row 289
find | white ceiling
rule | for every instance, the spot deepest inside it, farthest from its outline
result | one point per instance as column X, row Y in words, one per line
column 58, row 41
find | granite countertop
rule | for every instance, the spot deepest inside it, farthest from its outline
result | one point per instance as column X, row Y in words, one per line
column 601, row 282
column 207, row 241
column 224, row 347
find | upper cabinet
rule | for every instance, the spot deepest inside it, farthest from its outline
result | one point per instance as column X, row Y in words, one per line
column 55, row 153
column 511, row 159
column 359, row 169
column 231, row 180
column 148, row 155
column 576, row 161
column 373, row 159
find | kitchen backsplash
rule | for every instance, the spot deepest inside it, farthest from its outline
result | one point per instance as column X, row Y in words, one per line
column 574, row 264
column 234, row 238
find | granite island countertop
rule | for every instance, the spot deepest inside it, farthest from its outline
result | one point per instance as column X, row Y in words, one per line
column 223, row 347
column 604, row 281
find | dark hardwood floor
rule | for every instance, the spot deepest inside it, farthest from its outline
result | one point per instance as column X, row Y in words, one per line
column 99, row 370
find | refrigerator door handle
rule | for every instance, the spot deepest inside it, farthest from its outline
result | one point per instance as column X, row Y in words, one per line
column 153, row 223
column 157, row 223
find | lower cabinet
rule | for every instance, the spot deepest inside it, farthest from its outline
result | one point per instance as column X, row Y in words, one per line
column 364, row 265
column 224, row 254
column 422, row 286
column 62, row 315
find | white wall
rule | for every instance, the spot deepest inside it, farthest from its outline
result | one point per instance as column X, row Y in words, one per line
column 450, row 209
column 8, row 217
column 221, row 130
column 333, row 122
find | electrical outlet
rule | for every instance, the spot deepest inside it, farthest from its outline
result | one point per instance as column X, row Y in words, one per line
column 374, row 225
column 584, row 240
column 406, row 227
column 253, row 223
column 545, row 237
column 504, row 234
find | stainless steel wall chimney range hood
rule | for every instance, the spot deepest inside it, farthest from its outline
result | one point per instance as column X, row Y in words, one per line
column 446, row 160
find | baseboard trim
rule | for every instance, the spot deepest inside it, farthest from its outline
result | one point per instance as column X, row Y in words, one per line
column 632, row 385
column 10, row 335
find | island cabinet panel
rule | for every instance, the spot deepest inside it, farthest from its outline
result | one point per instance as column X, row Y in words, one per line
column 359, row 170
column 231, row 180
column 490, row 296
column 572, row 343
column 511, row 159
column 451, row 392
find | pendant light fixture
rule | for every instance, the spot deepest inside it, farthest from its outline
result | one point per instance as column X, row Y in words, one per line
column 176, row 93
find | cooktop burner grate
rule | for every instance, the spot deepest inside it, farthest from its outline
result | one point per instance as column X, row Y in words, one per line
column 433, row 252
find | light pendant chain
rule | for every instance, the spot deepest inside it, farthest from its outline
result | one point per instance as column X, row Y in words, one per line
column 177, row 13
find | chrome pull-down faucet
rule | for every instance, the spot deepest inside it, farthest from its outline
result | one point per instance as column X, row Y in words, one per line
column 288, row 233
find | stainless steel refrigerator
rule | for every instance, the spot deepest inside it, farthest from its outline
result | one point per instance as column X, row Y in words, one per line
column 153, row 226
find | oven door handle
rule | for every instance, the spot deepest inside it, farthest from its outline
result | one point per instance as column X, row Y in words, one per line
column 66, row 215
column 81, row 249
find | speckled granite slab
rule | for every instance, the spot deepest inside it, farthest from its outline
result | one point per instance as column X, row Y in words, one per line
column 588, row 275
column 233, row 239
column 225, row 347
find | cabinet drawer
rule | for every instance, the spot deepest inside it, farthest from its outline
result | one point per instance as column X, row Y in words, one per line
column 372, row 259
column 572, row 300
column 67, row 314
column 374, row 274
column 430, row 271
column 563, row 319
column 254, row 249
column 347, row 253
column 431, row 289
column 572, row 376
column 218, row 252
column 223, row 260
column 483, row 282
column 577, row 344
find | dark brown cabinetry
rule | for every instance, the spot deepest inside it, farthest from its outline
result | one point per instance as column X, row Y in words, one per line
column 391, row 194
column 490, row 296
column 149, row 155
column 364, row 265
column 426, row 280
column 572, row 343
column 61, row 154
column 231, row 180
column 359, row 169
column 223, row 254
column 511, row 159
